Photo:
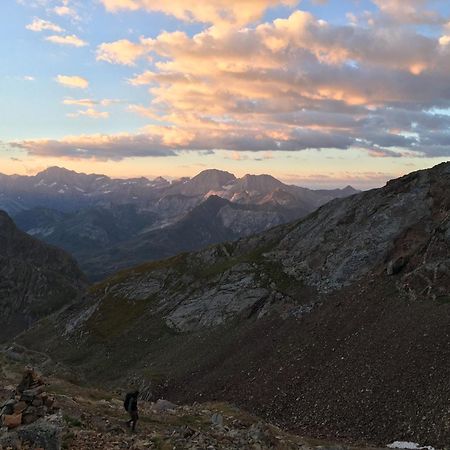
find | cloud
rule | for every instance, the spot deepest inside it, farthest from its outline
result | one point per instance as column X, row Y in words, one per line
column 72, row 40
column 75, row 82
column 444, row 40
column 411, row 11
column 95, row 147
column 329, row 180
column 28, row 78
column 89, row 102
column 66, row 11
column 122, row 52
column 286, row 85
column 217, row 12
column 90, row 112
column 39, row 25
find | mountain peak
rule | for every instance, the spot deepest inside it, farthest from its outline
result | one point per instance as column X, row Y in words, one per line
column 263, row 183
column 55, row 171
column 211, row 175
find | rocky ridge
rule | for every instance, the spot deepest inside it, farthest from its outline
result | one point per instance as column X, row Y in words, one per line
column 69, row 191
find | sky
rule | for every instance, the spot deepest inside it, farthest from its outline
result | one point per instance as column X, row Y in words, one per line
column 320, row 93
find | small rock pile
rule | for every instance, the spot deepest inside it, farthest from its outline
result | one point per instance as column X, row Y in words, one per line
column 29, row 402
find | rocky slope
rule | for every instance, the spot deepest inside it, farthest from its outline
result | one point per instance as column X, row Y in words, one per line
column 337, row 325
column 35, row 279
column 89, row 418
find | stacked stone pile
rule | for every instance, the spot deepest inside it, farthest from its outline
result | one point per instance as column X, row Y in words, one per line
column 29, row 402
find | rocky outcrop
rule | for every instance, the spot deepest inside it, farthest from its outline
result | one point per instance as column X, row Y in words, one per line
column 28, row 403
column 35, row 279
column 30, row 417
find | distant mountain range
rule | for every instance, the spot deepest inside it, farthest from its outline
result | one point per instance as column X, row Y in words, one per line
column 109, row 224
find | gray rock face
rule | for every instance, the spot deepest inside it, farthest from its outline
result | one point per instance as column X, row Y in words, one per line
column 246, row 222
column 349, row 237
column 237, row 292
column 35, row 279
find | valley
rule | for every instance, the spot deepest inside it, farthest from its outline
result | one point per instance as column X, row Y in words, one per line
column 110, row 224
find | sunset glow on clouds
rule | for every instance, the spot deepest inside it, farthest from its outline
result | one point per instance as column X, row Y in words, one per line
column 334, row 91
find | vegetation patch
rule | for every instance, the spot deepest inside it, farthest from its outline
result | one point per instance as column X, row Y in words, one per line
column 114, row 316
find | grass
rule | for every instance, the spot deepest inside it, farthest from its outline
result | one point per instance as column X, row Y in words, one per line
column 72, row 421
column 115, row 315
column 177, row 263
column 443, row 299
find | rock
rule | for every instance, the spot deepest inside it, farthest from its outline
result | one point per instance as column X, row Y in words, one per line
column 256, row 433
column 395, row 266
column 12, row 421
column 217, row 419
column 20, row 407
column 49, row 402
column 33, row 392
column 40, row 434
column 163, row 405
column 37, row 401
column 29, row 418
column 8, row 407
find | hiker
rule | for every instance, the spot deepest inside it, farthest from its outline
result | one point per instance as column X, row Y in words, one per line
column 131, row 407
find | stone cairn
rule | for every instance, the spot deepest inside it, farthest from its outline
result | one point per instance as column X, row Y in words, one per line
column 29, row 402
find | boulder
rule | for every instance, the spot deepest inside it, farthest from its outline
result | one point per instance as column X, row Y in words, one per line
column 37, row 401
column 12, row 420
column 163, row 405
column 20, row 407
column 7, row 407
column 40, row 434
column 49, row 402
column 395, row 266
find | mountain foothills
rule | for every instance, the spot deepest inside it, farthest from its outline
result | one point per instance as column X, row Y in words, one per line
column 109, row 224
column 35, row 279
column 336, row 325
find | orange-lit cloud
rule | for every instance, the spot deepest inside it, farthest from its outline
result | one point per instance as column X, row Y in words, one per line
column 291, row 84
column 96, row 147
column 71, row 40
column 411, row 11
column 65, row 10
column 39, row 25
column 122, row 52
column 218, row 12
column 74, row 81
column 90, row 112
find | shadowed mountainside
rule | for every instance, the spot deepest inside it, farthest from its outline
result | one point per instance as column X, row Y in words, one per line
column 35, row 279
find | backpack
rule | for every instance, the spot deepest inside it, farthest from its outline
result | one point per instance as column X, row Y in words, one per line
column 126, row 402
